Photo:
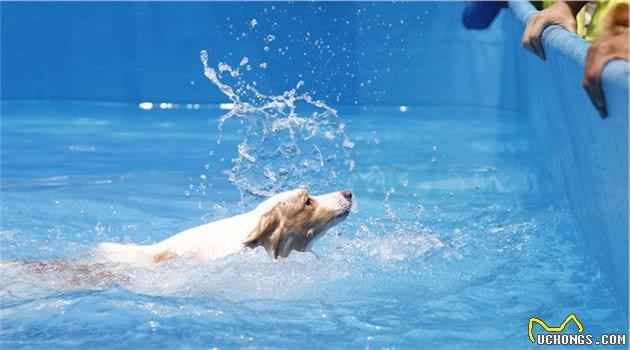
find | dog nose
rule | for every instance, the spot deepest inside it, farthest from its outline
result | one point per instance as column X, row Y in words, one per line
column 347, row 194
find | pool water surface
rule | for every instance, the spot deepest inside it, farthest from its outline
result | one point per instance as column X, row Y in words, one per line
column 455, row 240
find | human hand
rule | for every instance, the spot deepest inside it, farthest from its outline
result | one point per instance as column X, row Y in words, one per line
column 560, row 13
column 598, row 54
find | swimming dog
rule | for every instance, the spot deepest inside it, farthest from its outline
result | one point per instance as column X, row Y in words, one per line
column 288, row 221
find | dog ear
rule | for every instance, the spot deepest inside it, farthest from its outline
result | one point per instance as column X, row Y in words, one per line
column 276, row 238
column 269, row 226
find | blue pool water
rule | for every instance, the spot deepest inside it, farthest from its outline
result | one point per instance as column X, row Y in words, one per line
column 455, row 241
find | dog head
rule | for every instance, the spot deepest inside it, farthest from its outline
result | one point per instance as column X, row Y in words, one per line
column 294, row 219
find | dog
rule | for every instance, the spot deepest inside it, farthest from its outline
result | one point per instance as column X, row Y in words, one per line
column 287, row 221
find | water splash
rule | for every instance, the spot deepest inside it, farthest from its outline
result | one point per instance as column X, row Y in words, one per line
column 291, row 139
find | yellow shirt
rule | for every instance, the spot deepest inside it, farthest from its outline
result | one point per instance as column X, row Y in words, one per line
column 593, row 29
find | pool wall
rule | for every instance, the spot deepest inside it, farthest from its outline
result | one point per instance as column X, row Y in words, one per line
column 356, row 53
column 586, row 156
column 415, row 54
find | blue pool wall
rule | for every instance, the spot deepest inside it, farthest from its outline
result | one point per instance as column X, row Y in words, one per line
column 586, row 156
column 411, row 54
column 392, row 54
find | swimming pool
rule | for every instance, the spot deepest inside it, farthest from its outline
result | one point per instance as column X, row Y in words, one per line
column 457, row 239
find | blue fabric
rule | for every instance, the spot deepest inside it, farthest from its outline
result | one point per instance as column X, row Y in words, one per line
column 586, row 156
column 480, row 14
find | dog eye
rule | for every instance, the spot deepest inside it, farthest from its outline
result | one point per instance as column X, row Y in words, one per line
column 308, row 202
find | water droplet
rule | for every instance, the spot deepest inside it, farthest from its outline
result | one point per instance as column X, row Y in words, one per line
column 253, row 23
column 99, row 228
column 204, row 57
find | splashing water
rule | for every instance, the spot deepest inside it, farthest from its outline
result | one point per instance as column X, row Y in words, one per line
column 469, row 236
column 291, row 139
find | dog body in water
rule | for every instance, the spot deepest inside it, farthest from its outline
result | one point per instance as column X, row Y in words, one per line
column 288, row 221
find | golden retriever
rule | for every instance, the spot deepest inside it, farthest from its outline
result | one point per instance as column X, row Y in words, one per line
column 285, row 222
